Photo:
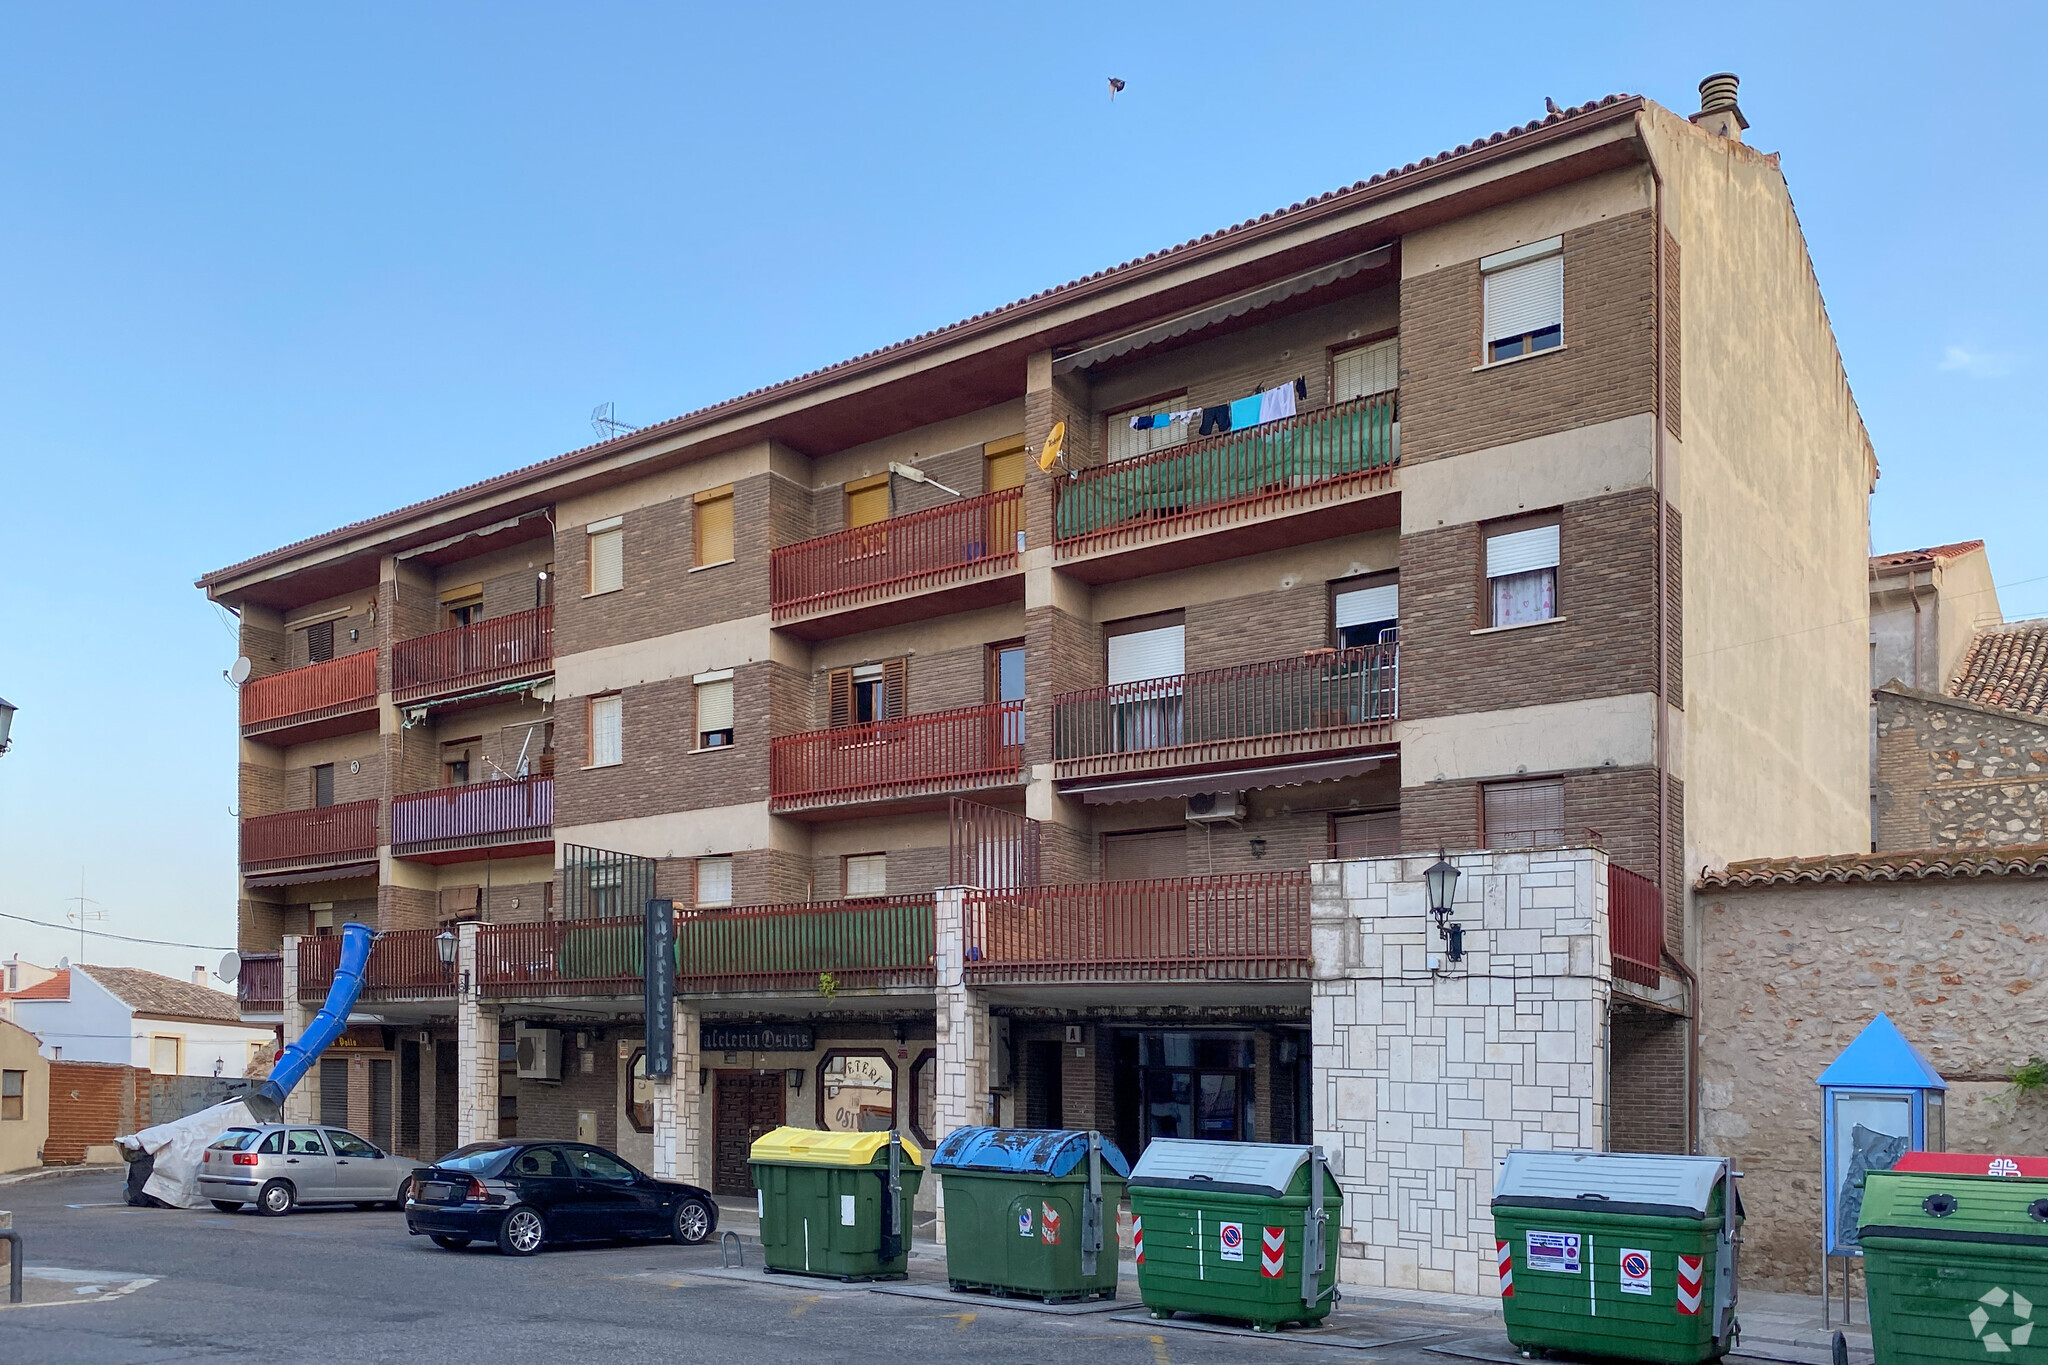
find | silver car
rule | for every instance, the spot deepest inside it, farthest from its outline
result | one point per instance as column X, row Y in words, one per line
column 279, row 1166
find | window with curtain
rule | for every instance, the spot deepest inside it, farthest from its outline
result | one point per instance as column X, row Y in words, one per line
column 1146, row 662
column 714, row 881
column 1524, row 299
column 1524, row 814
column 714, row 709
column 1521, row 575
column 1364, row 370
column 1122, row 443
column 607, row 555
column 606, row 746
column 867, row 876
column 713, row 531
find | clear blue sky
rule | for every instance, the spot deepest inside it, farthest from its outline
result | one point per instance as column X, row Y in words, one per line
column 265, row 270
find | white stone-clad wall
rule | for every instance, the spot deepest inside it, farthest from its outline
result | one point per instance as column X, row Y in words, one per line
column 476, row 1040
column 678, row 1131
column 1425, row 1079
column 964, row 1037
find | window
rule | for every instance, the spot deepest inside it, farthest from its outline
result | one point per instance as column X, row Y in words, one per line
column 856, row 1092
column 605, row 725
column 866, row 876
column 1365, row 612
column 346, row 1143
column 464, row 606
column 714, row 709
column 867, row 501
column 1122, row 443
column 13, row 1091
column 1524, row 814
column 1006, row 684
column 1521, row 573
column 323, row 784
column 272, row 1145
column 1003, row 465
column 166, row 1055
column 1364, row 370
column 1145, row 660
column 607, row 555
column 868, row 693
column 1524, row 299
column 714, row 881
column 1367, row 834
column 321, row 917
column 455, row 761
column 640, row 1108
column 304, row 1142
column 713, row 537
column 320, row 642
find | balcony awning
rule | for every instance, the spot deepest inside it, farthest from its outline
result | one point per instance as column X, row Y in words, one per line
column 1099, row 793
column 322, row 874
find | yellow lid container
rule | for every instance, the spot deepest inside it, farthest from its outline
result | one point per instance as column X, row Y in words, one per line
column 810, row 1147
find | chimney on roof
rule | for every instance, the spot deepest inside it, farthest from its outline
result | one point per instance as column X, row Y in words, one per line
column 1719, row 113
column 199, row 976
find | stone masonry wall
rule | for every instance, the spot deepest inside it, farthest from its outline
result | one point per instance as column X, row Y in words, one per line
column 1954, row 774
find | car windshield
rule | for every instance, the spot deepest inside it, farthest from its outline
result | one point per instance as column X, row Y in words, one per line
column 234, row 1139
column 477, row 1158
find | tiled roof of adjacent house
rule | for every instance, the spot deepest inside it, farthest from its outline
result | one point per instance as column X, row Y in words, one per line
column 57, row 987
column 2029, row 860
column 1933, row 554
column 2007, row 666
column 1477, row 146
column 151, row 993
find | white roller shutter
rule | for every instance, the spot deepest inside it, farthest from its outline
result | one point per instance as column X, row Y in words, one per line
column 1145, row 654
column 1365, row 370
column 1363, row 605
column 1521, row 552
column 867, row 876
column 605, row 744
column 607, row 560
column 1525, row 298
column 714, row 705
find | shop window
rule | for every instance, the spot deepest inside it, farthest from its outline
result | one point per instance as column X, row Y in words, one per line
column 640, row 1106
column 924, row 1097
column 856, row 1091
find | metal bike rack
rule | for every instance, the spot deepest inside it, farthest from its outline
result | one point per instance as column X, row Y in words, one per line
column 13, row 1238
column 739, row 1249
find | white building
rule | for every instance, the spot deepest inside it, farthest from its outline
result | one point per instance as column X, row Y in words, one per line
column 141, row 1019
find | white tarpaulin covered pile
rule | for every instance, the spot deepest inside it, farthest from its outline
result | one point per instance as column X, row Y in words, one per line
column 177, row 1147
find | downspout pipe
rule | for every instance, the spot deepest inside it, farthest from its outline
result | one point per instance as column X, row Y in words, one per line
column 266, row 1102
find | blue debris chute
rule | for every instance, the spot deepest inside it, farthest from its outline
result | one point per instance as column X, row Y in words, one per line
column 267, row 1103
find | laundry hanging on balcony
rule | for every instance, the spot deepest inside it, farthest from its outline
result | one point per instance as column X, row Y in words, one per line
column 1269, row 405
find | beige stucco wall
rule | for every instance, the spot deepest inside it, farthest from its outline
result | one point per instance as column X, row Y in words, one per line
column 1924, row 616
column 1792, row 974
column 21, row 1140
column 1775, row 501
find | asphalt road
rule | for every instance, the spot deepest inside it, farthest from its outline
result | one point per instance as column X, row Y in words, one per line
column 344, row 1285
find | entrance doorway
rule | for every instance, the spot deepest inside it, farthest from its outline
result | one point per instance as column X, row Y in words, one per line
column 748, row 1103
column 1044, row 1100
column 1184, row 1084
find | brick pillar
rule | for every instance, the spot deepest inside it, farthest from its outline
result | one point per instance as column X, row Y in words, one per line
column 476, row 1040
column 964, row 1036
column 678, row 1103
column 298, row 1105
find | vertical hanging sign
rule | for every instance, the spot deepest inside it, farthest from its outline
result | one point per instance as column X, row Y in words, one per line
column 658, row 986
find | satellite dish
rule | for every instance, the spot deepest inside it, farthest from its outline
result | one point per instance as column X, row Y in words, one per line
column 230, row 966
column 239, row 674
column 1055, row 441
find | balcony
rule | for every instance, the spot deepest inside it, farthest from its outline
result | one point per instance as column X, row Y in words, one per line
column 506, row 649
column 589, row 957
column 1311, row 477
column 1323, row 703
column 1635, row 927
column 404, row 965
column 510, row 819
column 1240, row 927
column 861, row 945
column 325, row 837
column 259, row 985
column 956, row 557
column 299, row 704
column 917, row 759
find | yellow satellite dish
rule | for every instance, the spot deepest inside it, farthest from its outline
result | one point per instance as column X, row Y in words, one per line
column 1055, row 440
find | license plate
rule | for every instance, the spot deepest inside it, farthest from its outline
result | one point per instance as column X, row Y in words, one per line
column 436, row 1192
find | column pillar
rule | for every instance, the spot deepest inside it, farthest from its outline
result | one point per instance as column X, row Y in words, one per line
column 678, row 1106
column 298, row 1105
column 476, row 1041
column 964, row 1035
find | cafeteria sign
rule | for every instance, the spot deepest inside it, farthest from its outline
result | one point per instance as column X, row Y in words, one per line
column 757, row 1037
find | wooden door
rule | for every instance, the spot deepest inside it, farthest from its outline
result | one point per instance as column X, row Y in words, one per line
column 1003, row 468
column 748, row 1104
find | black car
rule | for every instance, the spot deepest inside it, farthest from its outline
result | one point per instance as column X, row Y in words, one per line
column 522, row 1195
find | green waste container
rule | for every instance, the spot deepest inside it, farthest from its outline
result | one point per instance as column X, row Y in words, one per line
column 1235, row 1230
column 1026, row 1210
column 825, row 1206
column 1956, row 1265
column 1618, row 1254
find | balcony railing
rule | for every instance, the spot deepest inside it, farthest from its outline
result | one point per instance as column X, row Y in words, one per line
column 933, row 754
column 859, row 945
column 1239, row 927
column 1635, row 927
column 314, row 692
column 1317, row 457
column 259, row 985
column 971, row 538
column 504, row 649
column 480, row 814
column 322, row 834
column 568, row 957
column 404, row 964
column 1319, row 702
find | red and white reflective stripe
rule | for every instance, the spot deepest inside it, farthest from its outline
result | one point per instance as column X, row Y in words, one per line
column 1138, row 1240
column 1273, row 1253
column 1507, row 1270
column 1690, row 1270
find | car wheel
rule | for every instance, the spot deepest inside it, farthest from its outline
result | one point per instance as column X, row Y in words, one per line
column 404, row 1194
column 522, row 1232
column 447, row 1243
column 691, row 1223
column 277, row 1198
column 227, row 1205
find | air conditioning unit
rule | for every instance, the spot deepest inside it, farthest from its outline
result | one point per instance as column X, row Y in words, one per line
column 539, row 1053
column 1204, row 807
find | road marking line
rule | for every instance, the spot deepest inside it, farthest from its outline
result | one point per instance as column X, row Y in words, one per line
column 966, row 1320
column 1159, row 1356
column 805, row 1306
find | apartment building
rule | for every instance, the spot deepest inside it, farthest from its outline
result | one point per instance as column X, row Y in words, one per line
column 984, row 704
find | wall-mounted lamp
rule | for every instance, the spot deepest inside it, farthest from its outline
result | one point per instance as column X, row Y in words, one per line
column 1258, row 846
column 7, row 709
column 796, row 1079
column 703, row 1077
column 1441, row 883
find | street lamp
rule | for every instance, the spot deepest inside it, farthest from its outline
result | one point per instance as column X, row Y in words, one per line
column 7, row 709
column 444, row 948
column 1441, row 882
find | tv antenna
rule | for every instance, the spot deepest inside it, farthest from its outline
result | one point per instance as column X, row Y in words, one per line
column 83, row 913
column 606, row 423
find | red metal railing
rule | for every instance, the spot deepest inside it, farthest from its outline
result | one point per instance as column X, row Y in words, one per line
column 566, row 957
column 259, row 985
column 1635, row 926
column 319, row 834
column 1316, row 457
column 1330, row 699
column 931, row 754
column 314, row 691
column 405, row 964
column 1249, row 926
column 860, row 945
column 960, row 540
column 450, row 817
column 989, row 847
column 503, row 649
